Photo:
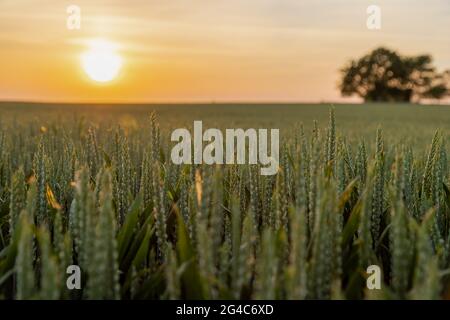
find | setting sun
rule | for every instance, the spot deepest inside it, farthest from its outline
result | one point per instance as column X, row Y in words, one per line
column 101, row 63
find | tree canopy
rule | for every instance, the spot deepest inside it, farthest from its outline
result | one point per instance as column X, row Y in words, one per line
column 385, row 76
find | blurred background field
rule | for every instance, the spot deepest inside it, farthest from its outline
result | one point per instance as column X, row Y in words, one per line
column 414, row 124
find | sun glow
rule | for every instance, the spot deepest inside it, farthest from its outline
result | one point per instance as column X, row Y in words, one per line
column 101, row 62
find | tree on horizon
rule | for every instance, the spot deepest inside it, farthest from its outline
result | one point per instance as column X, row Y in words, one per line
column 383, row 75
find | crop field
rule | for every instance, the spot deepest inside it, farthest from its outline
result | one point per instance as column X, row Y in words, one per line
column 93, row 186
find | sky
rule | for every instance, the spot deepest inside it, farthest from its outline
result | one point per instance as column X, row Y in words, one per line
column 207, row 50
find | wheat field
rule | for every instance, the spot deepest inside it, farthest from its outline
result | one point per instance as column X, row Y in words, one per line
column 94, row 186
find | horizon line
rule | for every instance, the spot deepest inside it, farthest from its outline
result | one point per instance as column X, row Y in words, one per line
column 224, row 102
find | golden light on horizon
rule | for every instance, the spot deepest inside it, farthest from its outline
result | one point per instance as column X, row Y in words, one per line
column 101, row 62
column 185, row 51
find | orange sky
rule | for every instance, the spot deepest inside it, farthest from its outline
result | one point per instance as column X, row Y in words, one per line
column 215, row 50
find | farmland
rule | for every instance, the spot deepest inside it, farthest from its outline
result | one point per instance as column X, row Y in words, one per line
column 93, row 186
